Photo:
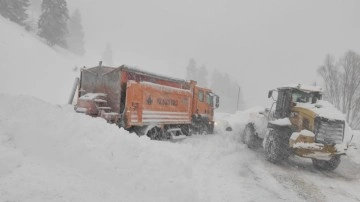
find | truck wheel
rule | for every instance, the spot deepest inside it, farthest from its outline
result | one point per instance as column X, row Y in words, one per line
column 155, row 133
column 248, row 136
column 204, row 131
column 330, row 165
column 276, row 146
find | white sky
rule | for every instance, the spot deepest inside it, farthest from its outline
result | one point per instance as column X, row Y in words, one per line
column 260, row 44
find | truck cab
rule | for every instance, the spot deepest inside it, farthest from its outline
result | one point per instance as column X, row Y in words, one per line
column 204, row 103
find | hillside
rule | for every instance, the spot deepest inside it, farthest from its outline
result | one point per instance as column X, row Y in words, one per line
column 29, row 66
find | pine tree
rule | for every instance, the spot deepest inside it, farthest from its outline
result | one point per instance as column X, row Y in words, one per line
column 53, row 22
column 191, row 70
column 75, row 40
column 108, row 55
column 15, row 10
column 202, row 76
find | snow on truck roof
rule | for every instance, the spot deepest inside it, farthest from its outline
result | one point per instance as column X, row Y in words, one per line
column 105, row 70
column 303, row 87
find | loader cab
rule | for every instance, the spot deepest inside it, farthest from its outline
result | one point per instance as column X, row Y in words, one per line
column 288, row 97
column 283, row 103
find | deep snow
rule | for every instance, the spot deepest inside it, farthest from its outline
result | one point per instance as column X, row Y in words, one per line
column 50, row 153
column 28, row 66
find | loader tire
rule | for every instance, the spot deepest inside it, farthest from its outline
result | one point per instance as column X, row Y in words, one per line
column 276, row 146
column 329, row 165
column 248, row 136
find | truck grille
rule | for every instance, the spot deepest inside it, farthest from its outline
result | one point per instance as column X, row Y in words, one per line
column 329, row 131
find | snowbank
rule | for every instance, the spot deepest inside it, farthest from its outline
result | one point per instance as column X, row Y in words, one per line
column 354, row 150
column 49, row 153
column 238, row 120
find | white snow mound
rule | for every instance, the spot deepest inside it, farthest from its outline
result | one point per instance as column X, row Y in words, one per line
column 51, row 153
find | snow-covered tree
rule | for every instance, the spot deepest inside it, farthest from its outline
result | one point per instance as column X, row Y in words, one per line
column 108, row 55
column 75, row 40
column 342, row 85
column 15, row 10
column 202, row 76
column 329, row 71
column 53, row 22
column 230, row 92
column 191, row 70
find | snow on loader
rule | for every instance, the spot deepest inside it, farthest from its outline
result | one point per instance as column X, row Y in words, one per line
column 301, row 124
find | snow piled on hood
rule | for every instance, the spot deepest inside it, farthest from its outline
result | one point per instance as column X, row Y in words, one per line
column 324, row 109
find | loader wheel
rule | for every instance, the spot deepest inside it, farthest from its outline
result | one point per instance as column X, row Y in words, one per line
column 329, row 165
column 248, row 136
column 155, row 133
column 276, row 146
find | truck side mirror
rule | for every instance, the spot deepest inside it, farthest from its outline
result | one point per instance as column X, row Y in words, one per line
column 270, row 93
column 217, row 104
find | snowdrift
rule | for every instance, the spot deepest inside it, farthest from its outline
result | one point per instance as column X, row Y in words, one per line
column 50, row 153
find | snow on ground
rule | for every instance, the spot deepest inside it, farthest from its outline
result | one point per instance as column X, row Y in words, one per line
column 29, row 66
column 50, row 153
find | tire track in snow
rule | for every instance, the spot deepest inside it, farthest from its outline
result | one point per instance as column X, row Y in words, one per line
column 290, row 177
column 227, row 171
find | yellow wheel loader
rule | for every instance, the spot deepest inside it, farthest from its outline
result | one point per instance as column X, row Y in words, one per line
column 301, row 124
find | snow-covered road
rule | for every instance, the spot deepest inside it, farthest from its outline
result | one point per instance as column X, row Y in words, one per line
column 50, row 153
column 235, row 172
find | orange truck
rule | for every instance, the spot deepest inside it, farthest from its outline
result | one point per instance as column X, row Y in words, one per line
column 146, row 103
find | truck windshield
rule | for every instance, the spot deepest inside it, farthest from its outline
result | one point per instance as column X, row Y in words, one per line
column 209, row 99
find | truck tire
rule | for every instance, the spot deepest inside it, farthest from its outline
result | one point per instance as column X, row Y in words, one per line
column 248, row 136
column 204, row 131
column 155, row 133
column 329, row 165
column 276, row 146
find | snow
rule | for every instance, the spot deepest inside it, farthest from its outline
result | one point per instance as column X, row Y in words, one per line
column 304, row 87
column 307, row 133
column 60, row 155
column 239, row 119
column 91, row 96
column 50, row 153
column 323, row 109
column 28, row 66
column 354, row 149
column 81, row 109
column 100, row 100
column 304, row 145
column 281, row 122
